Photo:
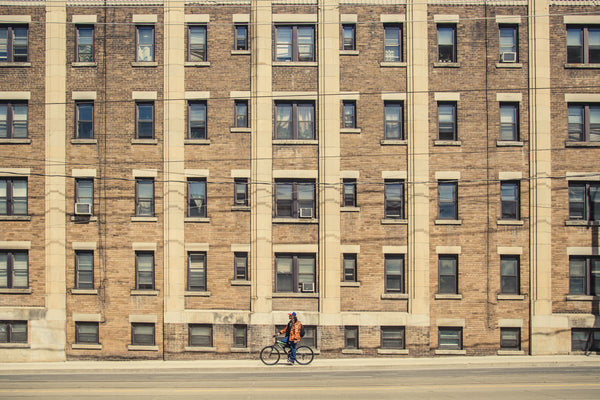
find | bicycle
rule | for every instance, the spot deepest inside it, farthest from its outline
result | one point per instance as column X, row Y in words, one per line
column 270, row 355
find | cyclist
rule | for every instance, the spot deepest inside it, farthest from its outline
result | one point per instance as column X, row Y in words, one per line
column 292, row 335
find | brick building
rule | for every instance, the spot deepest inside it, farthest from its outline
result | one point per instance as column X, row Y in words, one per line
column 409, row 176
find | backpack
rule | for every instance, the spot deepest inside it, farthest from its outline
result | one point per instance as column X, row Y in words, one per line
column 302, row 331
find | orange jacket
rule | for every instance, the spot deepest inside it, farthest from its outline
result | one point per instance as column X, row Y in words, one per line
column 294, row 332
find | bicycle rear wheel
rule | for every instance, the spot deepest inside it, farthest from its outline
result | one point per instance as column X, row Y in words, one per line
column 304, row 355
column 269, row 355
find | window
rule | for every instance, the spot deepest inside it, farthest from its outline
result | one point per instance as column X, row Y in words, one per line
column 197, row 120
column 144, row 120
column 295, row 43
column 349, row 117
column 13, row 196
column 295, row 273
column 85, row 43
column 446, row 43
column 394, row 273
column 85, row 120
column 145, row 43
column 450, row 338
column 394, row 199
column 351, row 337
column 200, row 335
column 448, row 274
column 581, row 339
column 241, row 37
column 241, row 113
column 349, row 187
column 84, row 192
column 13, row 43
column 348, row 37
column 508, row 44
column 142, row 334
column 509, row 274
column 295, row 120
column 392, row 337
column 240, row 336
column 144, row 197
column 14, row 269
column 310, row 337
column 583, row 44
column 584, row 201
column 510, row 200
column 447, row 121
column 197, row 43
column 295, row 199
column 196, row 274
column 241, row 266
column 393, row 120
column 13, row 120
column 448, row 200
column 144, row 270
column 84, row 269
column 197, row 198
column 13, row 331
column 510, row 338
column 584, row 275
column 509, row 121
column 86, row 332
column 349, row 267
column 240, row 192
column 584, row 122
column 392, row 43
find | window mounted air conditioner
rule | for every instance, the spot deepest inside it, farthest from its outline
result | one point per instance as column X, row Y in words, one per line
column 306, row 213
column 83, row 209
column 509, row 57
column 308, row 287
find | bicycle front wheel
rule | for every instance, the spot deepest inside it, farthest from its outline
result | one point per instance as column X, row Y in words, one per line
column 269, row 355
column 304, row 355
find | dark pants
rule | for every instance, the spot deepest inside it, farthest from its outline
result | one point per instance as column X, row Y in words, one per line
column 292, row 346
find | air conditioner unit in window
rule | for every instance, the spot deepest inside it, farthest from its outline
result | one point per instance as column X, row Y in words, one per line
column 509, row 57
column 306, row 213
column 83, row 209
column 308, row 287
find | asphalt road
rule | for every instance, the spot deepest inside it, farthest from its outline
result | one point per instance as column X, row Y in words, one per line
column 295, row 382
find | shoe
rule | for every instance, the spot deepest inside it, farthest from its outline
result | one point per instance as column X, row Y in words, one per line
column 290, row 362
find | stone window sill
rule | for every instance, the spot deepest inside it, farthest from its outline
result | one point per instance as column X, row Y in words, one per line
column 450, row 352
column 448, row 222
column 197, row 64
column 240, row 282
column 81, row 346
column 134, row 347
column 199, row 220
column 509, row 222
column 349, row 209
column 295, row 295
column 509, row 65
column 15, row 141
column 578, row 297
column 353, row 351
column 84, row 291
column 79, row 64
column 295, row 64
column 350, row 284
column 240, row 208
column 191, row 293
column 582, row 66
column 239, row 350
column 144, row 219
column 15, row 217
column 394, row 221
column 446, row 65
column 581, row 144
column 394, row 296
column 511, row 353
column 349, row 52
column 240, row 129
column 151, row 142
column 197, row 142
column 580, row 222
column 138, row 292
column 296, row 142
column 448, row 296
column 392, row 352
column 392, row 64
column 84, row 141
column 15, row 346
column 14, row 64
column 393, row 142
column 518, row 297
column 144, row 64
column 83, row 218
column 351, row 130
column 295, row 220
column 240, row 52
column 199, row 349
column 16, row 291
column 447, row 143
column 508, row 143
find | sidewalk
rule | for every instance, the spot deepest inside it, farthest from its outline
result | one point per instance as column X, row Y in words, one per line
column 318, row 363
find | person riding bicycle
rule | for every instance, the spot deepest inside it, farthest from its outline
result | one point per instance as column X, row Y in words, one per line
column 292, row 335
